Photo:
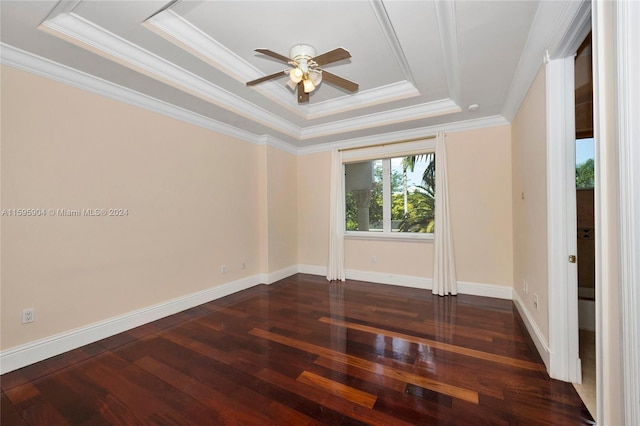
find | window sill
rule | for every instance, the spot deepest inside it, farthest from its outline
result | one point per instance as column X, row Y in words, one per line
column 396, row 236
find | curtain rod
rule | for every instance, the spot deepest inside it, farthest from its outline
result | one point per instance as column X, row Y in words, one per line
column 388, row 143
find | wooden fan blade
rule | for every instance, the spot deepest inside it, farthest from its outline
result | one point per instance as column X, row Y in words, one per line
column 339, row 81
column 267, row 77
column 332, row 56
column 274, row 55
column 302, row 96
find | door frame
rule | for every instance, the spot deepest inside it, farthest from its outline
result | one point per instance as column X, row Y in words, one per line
column 617, row 208
column 564, row 362
column 616, row 79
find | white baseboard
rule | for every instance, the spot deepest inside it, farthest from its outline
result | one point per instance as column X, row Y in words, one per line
column 392, row 279
column 373, row 277
column 32, row 352
column 272, row 277
column 312, row 270
column 476, row 289
column 536, row 335
column 485, row 290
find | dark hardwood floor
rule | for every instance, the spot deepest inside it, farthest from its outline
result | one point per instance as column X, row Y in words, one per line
column 303, row 351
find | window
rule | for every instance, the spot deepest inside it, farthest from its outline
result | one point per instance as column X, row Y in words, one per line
column 392, row 196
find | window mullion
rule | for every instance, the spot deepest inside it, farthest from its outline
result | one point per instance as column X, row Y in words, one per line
column 386, row 195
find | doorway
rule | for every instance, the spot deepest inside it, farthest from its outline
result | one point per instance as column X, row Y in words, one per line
column 583, row 82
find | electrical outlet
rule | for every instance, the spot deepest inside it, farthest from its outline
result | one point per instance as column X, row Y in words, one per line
column 223, row 269
column 243, row 266
column 373, row 259
column 28, row 315
column 535, row 301
column 525, row 286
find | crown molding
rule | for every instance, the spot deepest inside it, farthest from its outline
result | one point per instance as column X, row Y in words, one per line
column 376, row 96
column 38, row 65
column 277, row 143
column 174, row 28
column 86, row 34
column 34, row 64
column 571, row 29
column 458, row 126
column 64, row 6
column 446, row 16
column 400, row 115
column 390, row 34
column 555, row 27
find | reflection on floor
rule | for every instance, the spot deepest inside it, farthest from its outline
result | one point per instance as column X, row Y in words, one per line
column 587, row 390
column 305, row 351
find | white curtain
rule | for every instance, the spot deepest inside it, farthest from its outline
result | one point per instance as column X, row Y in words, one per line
column 335, row 269
column 444, row 266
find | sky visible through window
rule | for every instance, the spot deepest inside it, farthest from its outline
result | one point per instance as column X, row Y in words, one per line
column 584, row 150
column 414, row 178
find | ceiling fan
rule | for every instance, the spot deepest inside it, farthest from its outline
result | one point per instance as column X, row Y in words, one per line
column 306, row 74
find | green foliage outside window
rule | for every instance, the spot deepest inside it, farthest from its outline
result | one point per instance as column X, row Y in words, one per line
column 585, row 174
column 417, row 215
column 421, row 201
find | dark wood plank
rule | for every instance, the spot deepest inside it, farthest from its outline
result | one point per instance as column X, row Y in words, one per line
column 343, row 391
column 394, row 373
column 227, row 411
column 8, row 413
column 438, row 345
column 304, row 351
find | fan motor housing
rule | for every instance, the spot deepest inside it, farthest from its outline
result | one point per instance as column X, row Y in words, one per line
column 302, row 51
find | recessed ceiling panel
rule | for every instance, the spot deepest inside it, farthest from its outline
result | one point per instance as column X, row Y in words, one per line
column 420, row 38
column 490, row 42
column 418, row 64
column 243, row 27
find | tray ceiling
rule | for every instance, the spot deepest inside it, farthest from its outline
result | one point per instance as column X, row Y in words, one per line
column 419, row 64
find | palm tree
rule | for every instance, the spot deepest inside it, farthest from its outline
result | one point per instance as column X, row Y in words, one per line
column 429, row 175
column 420, row 219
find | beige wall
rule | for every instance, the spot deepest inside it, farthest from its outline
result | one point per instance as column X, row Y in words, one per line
column 313, row 201
column 412, row 259
column 193, row 199
column 282, row 203
column 480, row 199
column 196, row 200
column 480, row 202
column 530, row 213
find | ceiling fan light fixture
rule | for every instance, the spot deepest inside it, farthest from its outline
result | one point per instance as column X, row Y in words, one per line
column 302, row 51
column 305, row 74
column 308, row 86
column 291, row 84
column 316, row 77
column 296, row 75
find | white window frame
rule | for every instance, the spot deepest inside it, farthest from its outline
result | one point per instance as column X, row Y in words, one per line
column 385, row 153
